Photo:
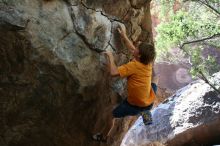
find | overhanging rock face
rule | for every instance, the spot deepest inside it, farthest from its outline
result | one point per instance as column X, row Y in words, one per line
column 54, row 85
column 190, row 117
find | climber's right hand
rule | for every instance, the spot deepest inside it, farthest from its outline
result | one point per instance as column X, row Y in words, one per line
column 121, row 30
column 108, row 54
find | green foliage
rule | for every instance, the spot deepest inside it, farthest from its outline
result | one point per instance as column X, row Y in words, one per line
column 182, row 27
column 165, row 7
column 172, row 33
column 208, row 65
column 192, row 22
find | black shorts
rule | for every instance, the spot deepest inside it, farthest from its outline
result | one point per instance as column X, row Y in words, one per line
column 126, row 109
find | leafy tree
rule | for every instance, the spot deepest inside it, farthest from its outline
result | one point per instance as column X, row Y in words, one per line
column 193, row 27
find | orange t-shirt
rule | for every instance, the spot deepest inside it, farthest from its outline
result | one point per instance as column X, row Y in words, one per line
column 140, row 92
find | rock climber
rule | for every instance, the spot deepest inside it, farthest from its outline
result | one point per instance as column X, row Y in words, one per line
column 141, row 79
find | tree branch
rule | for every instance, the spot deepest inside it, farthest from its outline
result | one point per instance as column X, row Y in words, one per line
column 207, row 81
column 199, row 40
column 206, row 3
column 209, row 6
column 203, row 77
column 181, row 46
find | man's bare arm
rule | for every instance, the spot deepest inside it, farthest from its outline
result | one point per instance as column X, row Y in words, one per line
column 127, row 41
column 112, row 66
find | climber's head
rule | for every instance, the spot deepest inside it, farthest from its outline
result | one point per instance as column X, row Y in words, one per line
column 145, row 53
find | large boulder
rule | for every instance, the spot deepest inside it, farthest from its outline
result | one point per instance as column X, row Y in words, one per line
column 191, row 117
column 55, row 88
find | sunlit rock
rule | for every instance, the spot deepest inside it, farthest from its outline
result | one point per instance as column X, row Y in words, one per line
column 186, row 118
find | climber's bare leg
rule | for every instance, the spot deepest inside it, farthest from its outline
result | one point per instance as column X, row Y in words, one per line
column 108, row 130
column 155, row 77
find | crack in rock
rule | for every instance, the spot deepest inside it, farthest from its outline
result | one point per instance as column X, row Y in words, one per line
column 102, row 13
column 11, row 18
column 81, row 36
column 92, row 29
column 84, row 37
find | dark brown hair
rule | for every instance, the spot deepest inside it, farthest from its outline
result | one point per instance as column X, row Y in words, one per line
column 147, row 53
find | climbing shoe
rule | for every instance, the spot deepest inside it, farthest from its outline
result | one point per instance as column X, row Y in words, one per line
column 147, row 118
column 99, row 138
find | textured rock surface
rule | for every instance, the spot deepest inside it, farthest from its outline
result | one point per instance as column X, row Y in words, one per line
column 191, row 117
column 54, row 86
